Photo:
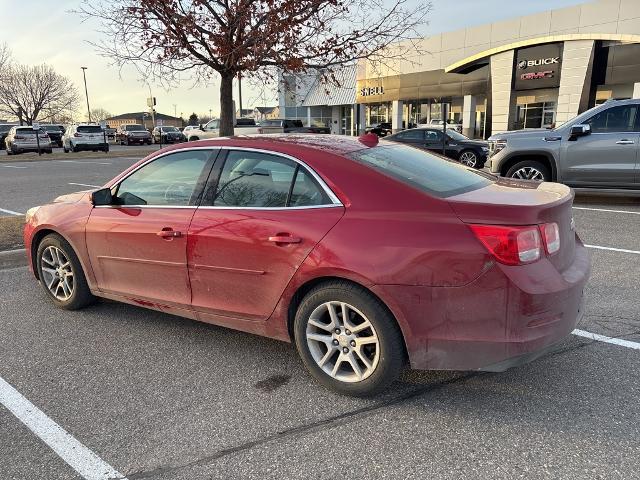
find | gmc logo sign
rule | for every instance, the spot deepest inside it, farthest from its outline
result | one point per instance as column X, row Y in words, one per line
column 537, row 63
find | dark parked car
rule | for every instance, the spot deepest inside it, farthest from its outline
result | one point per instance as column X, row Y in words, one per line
column 380, row 129
column 4, row 131
column 367, row 255
column 289, row 126
column 55, row 133
column 472, row 153
column 167, row 135
column 133, row 133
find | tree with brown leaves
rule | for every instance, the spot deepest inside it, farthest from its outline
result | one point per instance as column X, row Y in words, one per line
column 170, row 39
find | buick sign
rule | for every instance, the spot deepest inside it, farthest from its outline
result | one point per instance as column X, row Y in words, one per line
column 537, row 63
column 538, row 67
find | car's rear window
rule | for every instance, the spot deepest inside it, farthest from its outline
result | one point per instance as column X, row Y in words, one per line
column 134, row 128
column 90, row 129
column 422, row 170
column 27, row 131
column 51, row 128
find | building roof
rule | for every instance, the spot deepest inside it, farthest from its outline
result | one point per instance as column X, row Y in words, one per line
column 265, row 110
column 137, row 115
column 326, row 94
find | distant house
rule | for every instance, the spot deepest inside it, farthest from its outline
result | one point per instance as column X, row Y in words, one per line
column 266, row 113
column 245, row 113
column 144, row 118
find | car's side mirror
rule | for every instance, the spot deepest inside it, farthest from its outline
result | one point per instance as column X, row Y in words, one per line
column 102, row 197
column 579, row 130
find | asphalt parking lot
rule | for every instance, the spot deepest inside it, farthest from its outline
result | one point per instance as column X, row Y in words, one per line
column 148, row 395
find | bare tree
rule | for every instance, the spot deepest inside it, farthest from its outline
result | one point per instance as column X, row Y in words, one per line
column 168, row 39
column 5, row 59
column 99, row 114
column 34, row 93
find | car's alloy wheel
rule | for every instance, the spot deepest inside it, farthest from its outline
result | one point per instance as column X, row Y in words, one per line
column 57, row 273
column 528, row 173
column 343, row 342
column 468, row 158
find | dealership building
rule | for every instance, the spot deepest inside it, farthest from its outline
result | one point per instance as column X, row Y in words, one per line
column 534, row 71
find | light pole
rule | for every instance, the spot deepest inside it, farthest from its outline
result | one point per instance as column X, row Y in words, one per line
column 84, row 74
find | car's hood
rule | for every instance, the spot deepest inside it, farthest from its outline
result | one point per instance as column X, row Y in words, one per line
column 534, row 132
column 72, row 197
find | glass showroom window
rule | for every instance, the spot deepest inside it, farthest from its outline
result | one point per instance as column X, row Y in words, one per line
column 535, row 115
column 320, row 116
column 378, row 113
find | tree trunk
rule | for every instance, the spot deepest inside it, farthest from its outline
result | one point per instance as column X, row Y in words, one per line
column 226, row 105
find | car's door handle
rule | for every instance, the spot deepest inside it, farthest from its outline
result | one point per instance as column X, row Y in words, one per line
column 284, row 238
column 168, row 233
column 625, row 142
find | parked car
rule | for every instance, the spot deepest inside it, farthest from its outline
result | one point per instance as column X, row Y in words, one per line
column 289, row 126
column 111, row 133
column 84, row 136
column 597, row 149
column 472, row 153
column 167, row 135
column 211, row 129
column 4, row 131
column 23, row 139
column 380, row 129
column 451, row 124
column 55, row 133
column 443, row 266
column 132, row 134
column 188, row 128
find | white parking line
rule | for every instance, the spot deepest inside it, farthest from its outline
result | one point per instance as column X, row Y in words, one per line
column 11, row 166
column 84, row 185
column 605, row 339
column 10, row 212
column 623, row 250
column 79, row 457
column 607, row 210
column 83, row 162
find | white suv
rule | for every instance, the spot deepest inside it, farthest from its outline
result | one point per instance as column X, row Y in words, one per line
column 84, row 136
column 23, row 139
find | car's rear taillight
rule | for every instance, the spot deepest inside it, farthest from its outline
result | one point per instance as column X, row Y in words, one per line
column 510, row 245
column 551, row 237
column 77, row 134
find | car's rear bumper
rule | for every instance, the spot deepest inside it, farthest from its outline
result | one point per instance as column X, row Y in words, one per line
column 30, row 147
column 504, row 318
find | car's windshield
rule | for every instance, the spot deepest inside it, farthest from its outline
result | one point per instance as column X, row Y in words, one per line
column 134, row 128
column 458, row 137
column 422, row 170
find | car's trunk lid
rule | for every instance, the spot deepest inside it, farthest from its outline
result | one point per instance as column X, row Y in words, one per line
column 512, row 202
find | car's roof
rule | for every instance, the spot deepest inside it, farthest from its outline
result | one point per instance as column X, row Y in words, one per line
column 335, row 144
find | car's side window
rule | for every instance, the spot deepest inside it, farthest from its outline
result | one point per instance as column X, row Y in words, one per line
column 412, row 135
column 433, row 136
column 171, row 180
column 260, row 180
column 623, row 118
column 253, row 179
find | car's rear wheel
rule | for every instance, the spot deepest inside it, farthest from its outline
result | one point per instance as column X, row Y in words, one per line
column 193, row 139
column 348, row 340
column 468, row 158
column 61, row 274
column 530, row 170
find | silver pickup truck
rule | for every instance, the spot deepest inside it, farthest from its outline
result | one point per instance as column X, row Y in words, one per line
column 598, row 149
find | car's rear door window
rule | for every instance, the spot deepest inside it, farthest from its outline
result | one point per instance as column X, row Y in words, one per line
column 171, row 180
column 422, row 170
column 252, row 179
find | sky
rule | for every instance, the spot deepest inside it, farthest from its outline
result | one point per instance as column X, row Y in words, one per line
column 42, row 31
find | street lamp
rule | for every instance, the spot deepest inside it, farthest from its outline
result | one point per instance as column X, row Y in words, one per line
column 84, row 74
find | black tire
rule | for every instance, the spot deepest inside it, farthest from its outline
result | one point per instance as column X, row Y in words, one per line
column 518, row 171
column 81, row 296
column 193, row 139
column 127, row 142
column 106, row 149
column 476, row 160
column 74, row 148
column 391, row 355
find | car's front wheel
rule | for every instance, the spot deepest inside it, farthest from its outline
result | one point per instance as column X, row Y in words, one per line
column 469, row 158
column 530, row 170
column 348, row 340
column 61, row 274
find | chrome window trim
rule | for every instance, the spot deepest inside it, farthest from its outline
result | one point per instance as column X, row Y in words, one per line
column 332, row 196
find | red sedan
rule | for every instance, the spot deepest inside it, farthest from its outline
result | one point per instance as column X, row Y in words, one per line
column 366, row 254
